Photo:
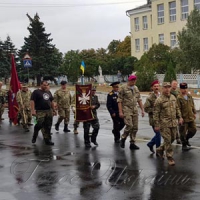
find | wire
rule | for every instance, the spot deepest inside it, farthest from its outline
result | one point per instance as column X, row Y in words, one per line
column 62, row 5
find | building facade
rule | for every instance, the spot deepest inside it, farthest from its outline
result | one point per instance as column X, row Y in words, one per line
column 158, row 21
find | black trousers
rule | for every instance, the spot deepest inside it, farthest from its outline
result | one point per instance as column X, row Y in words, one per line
column 118, row 125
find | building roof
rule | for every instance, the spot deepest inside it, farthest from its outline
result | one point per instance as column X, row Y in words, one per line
column 148, row 5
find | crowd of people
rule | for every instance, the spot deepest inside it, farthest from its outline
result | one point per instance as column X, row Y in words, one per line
column 171, row 113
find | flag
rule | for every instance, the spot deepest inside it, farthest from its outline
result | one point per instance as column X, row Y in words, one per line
column 82, row 67
column 83, row 103
column 14, row 88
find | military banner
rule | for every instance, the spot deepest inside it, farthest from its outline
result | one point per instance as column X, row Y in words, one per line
column 83, row 103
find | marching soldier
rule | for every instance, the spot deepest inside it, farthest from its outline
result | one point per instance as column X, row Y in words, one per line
column 2, row 100
column 23, row 99
column 94, row 123
column 76, row 124
column 165, row 115
column 112, row 106
column 149, row 108
column 128, row 98
column 62, row 98
column 188, row 111
column 175, row 92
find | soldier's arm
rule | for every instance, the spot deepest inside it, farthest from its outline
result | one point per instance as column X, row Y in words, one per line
column 148, row 107
column 193, row 107
column 97, row 104
column 156, row 114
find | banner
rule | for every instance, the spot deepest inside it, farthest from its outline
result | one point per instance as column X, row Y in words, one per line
column 83, row 103
column 14, row 88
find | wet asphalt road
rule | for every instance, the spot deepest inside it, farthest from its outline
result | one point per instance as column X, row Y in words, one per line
column 68, row 171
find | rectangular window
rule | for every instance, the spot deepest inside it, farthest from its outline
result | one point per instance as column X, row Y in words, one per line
column 161, row 38
column 197, row 4
column 173, row 39
column 145, row 42
column 145, row 23
column 184, row 9
column 137, row 26
column 137, row 44
column 160, row 13
column 172, row 11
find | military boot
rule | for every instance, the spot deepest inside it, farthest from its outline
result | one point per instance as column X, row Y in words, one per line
column 66, row 128
column 48, row 141
column 57, row 126
column 75, row 129
column 122, row 143
column 133, row 146
column 94, row 138
column 26, row 128
column 34, row 137
column 185, row 147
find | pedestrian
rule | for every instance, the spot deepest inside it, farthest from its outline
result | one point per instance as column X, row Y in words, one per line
column 23, row 99
column 165, row 115
column 62, row 99
column 149, row 108
column 73, row 106
column 43, row 108
column 94, row 123
column 129, row 96
column 2, row 101
column 174, row 90
column 112, row 106
column 186, row 104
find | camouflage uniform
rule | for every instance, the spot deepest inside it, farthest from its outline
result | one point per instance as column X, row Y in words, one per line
column 149, row 108
column 73, row 105
column 23, row 100
column 2, row 102
column 63, row 99
column 165, row 115
column 94, row 123
column 129, row 99
column 188, row 111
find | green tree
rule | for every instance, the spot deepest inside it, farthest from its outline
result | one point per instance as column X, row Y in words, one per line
column 170, row 74
column 112, row 47
column 124, row 47
column 46, row 59
column 189, row 40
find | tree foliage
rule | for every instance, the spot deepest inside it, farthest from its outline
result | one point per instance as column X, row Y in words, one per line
column 170, row 74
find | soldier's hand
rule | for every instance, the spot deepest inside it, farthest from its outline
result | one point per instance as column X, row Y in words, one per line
column 54, row 113
column 142, row 113
column 180, row 121
column 194, row 116
column 33, row 112
column 121, row 115
column 113, row 115
column 156, row 128
column 92, row 107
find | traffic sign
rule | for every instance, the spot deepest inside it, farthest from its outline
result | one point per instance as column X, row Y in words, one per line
column 27, row 57
column 27, row 63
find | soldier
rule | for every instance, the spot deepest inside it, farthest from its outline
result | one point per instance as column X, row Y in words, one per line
column 188, row 111
column 128, row 98
column 165, row 115
column 76, row 124
column 62, row 98
column 2, row 100
column 94, row 123
column 23, row 99
column 149, row 108
column 112, row 106
column 43, row 108
column 175, row 92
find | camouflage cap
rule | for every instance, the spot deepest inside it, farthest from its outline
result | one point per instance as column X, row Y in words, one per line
column 166, row 84
column 24, row 84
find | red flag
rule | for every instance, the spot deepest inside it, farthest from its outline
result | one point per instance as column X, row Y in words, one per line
column 83, row 103
column 14, row 88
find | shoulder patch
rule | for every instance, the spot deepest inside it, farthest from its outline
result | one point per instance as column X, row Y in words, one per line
column 111, row 93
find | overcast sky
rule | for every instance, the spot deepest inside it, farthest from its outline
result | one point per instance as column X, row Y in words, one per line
column 73, row 24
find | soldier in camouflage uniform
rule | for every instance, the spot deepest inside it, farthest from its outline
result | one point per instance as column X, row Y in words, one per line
column 128, row 98
column 42, row 107
column 175, row 92
column 188, row 111
column 165, row 115
column 23, row 99
column 73, row 105
column 149, row 108
column 2, row 100
column 94, row 123
column 62, row 98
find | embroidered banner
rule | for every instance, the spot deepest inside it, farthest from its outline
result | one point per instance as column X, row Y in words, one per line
column 83, row 103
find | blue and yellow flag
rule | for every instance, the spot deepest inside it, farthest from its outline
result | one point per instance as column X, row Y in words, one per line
column 82, row 67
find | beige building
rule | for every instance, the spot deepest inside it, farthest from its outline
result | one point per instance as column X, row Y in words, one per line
column 158, row 21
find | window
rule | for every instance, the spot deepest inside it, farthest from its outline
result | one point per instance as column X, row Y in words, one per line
column 137, row 27
column 184, row 9
column 145, row 23
column 172, row 11
column 145, row 41
column 161, row 14
column 173, row 39
column 197, row 4
column 161, row 38
column 137, row 44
